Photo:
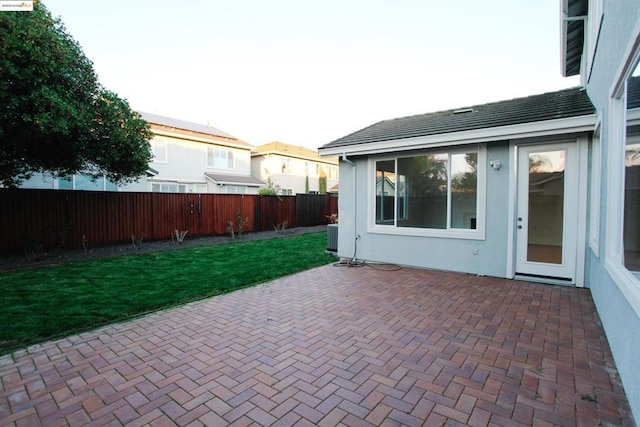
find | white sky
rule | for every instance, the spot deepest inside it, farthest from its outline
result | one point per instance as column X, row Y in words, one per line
column 308, row 72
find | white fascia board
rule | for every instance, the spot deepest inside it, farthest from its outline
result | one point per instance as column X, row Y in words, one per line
column 519, row 131
column 211, row 141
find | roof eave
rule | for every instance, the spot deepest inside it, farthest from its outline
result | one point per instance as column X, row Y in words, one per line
column 584, row 123
column 209, row 140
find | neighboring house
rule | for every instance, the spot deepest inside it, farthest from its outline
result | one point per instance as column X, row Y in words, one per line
column 194, row 158
column 543, row 188
column 295, row 169
column 187, row 158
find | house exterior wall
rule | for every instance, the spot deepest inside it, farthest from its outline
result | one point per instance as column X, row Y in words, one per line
column 620, row 319
column 186, row 163
column 487, row 256
column 290, row 173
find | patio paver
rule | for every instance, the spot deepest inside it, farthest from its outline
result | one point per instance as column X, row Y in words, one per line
column 329, row 346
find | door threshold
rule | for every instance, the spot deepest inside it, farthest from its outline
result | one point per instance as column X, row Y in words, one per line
column 544, row 279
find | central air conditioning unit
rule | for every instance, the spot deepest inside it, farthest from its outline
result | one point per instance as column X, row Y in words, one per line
column 332, row 237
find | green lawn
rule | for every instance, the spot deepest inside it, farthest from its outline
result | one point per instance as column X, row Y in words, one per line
column 42, row 303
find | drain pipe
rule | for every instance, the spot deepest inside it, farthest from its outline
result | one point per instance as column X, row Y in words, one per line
column 355, row 205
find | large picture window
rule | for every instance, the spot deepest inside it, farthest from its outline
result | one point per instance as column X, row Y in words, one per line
column 631, row 209
column 432, row 191
column 623, row 183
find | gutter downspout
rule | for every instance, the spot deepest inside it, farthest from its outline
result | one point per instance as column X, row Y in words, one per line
column 355, row 203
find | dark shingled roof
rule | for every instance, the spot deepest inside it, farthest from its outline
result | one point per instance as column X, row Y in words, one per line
column 537, row 108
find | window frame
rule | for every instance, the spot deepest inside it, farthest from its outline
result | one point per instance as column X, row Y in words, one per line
column 101, row 182
column 154, row 149
column 453, row 233
column 236, row 188
column 211, row 153
column 178, row 186
column 626, row 281
column 286, row 168
column 595, row 189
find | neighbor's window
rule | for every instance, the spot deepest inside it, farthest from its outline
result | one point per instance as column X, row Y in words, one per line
column 159, row 149
column 86, row 182
column 286, row 166
column 236, row 189
column 220, row 158
column 437, row 191
column 168, row 187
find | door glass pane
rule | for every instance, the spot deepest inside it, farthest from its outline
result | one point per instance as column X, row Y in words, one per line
column 546, row 207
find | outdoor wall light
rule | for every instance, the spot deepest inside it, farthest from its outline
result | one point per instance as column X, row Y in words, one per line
column 495, row 164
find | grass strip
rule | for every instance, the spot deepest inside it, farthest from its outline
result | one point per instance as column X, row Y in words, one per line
column 38, row 304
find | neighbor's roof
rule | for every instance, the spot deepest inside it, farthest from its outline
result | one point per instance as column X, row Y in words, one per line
column 573, row 17
column 537, row 108
column 248, row 180
column 280, row 148
column 189, row 129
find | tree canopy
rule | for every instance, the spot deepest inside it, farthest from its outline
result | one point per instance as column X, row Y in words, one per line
column 55, row 117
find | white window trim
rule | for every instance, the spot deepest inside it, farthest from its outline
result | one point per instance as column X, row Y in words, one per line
column 592, row 29
column 454, row 233
column 596, row 182
column 628, row 284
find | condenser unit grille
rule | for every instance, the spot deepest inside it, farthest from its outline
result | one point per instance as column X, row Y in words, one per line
column 332, row 237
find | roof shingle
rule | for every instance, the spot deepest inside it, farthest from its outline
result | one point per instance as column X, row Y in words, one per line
column 536, row 108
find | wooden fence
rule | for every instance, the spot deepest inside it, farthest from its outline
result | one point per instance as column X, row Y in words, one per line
column 67, row 219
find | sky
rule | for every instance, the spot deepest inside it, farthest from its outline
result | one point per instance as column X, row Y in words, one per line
column 309, row 72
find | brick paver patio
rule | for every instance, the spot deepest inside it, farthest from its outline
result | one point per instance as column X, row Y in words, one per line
column 331, row 346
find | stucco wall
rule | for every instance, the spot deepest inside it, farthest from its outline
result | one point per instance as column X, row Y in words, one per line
column 620, row 321
column 488, row 256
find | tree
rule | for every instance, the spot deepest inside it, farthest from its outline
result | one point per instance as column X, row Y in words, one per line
column 54, row 115
column 271, row 189
column 322, row 181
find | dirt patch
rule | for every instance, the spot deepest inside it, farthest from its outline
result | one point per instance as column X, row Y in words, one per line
column 14, row 261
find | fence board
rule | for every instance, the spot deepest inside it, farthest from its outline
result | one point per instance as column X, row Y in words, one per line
column 65, row 218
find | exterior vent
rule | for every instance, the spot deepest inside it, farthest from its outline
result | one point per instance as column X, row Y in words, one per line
column 463, row 110
column 332, row 237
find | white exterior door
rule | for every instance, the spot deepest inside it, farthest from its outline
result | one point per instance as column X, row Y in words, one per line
column 547, row 211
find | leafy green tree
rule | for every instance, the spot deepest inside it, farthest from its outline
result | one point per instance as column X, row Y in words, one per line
column 271, row 189
column 322, row 181
column 54, row 115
